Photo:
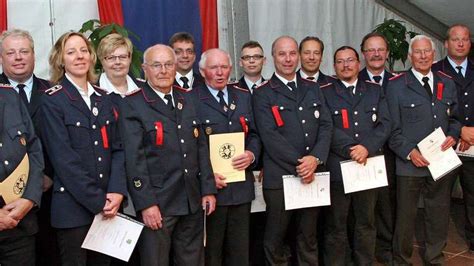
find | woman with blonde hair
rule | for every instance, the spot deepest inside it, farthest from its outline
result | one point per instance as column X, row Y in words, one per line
column 80, row 136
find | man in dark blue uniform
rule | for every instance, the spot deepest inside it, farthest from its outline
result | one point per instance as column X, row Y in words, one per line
column 374, row 47
column 420, row 101
column 226, row 108
column 17, row 220
column 461, row 69
column 168, row 166
column 361, row 127
column 184, row 48
column 295, row 127
column 311, row 53
column 251, row 61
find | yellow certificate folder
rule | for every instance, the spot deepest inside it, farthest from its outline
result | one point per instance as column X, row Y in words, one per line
column 223, row 148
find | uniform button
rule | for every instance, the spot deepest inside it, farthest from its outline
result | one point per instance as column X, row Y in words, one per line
column 18, row 132
column 207, row 121
column 356, row 124
column 94, row 127
column 303, row 121
column 307, row 148
column 465, row 93
column 184, row 155
column 194, row 122
column 432, row 104
column 96, row 143
column 61, row 189
column 182, row 140
column 467, row 105
column 179, row 126
column 101, row 175
column 356, row 135
column 107, row 122
column 412, row 105
column 355, row 112
column 336, row 112
column 301, row 108
column 78, row 123
column 467, row 118
column 186, row 171
column 434, row 116
column 99, row 159
column 6, row 162
column 281, row 108
column 230, row 123
column 306, row 134
column 1, row 145
column 373, row 109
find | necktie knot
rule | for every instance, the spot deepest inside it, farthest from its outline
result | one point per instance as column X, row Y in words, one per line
column 459, row 68
column 169, row 100
column 185, row 81
column 425, row 79
column 222, row 102
column 253, row 87
column 22, row 93
column 377, row 78
column 310, row 78
column 351, row 89
column 292, row 85
column 427, row 86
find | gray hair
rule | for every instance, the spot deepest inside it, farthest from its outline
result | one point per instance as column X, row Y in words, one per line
column 16, row 33
column 202, row 61
column 418, row 38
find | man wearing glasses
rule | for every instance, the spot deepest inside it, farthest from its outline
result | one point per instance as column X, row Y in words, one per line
column 311, row 53
column 168, row 168
column 361, row 127
column 420, row 101
column 374, row 47
column 183, row 46
column 251, row 62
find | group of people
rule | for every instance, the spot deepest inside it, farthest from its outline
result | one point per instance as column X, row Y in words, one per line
column 99, row 145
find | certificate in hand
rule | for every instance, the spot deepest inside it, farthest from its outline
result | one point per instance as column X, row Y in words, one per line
column 115, row 237
column 358, row 177
column 441, row 162
column 222, row 149
column 467, row 153
column 299, row 195
column 258, row 204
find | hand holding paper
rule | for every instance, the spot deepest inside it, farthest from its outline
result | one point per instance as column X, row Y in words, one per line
column 220, row 181
column 359, row 154
column 242, row 161
column 417, row 159
column 112, row 204
column 306, row 168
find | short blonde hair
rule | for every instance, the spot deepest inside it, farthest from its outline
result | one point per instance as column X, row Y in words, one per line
column 56, row 62
column 111, row 42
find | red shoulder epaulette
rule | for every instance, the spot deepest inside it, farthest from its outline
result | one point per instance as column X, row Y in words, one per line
column 6, row 86
column 234, row 85
column 53, row 89
column 325, row 85
column 261, row 84
column 130, row 93
column 444, row 74
column 397, row 76
column 181, row 88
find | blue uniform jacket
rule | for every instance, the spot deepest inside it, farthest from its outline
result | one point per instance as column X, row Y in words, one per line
column 17, row 137
column 86, row 153
column 415, row 115
column 167, row 156
column 360, row 119
column 306, row 128
column 215, row 121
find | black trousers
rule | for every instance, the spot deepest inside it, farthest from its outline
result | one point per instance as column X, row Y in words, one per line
column 257, row 230
column 385, row 211
column 183, row 233
column 336, row 239
column 17, row 250
column 71, row 253
column 436, row 197
column 467, row 183
column 303, row 221
column 228, row 236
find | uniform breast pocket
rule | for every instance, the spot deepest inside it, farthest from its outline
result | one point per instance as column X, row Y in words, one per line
column 155, row 134
column 446, row 106
column 338, row 119
column 18, row 135
column 371, row 111
column 210, row 126
column 314, row 108
column 78, row 129
column 412, row 111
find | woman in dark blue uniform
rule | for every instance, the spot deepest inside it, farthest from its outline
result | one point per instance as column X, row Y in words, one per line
column 80, row 135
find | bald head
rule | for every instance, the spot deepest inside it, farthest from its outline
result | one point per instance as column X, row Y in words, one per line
column 285, row 56
column 159, row 65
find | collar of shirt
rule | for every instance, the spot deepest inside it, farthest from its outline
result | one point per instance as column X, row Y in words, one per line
column 162, row 95
column 214, row 93
column 189, row 75
column 463, row 64
column 285, row 81
column 28, row 86
column 110, row 88
column 85, row 97
column 371, row 76
column 251, row 83
column 420, row 76
column 350, row 84
column 305, row 76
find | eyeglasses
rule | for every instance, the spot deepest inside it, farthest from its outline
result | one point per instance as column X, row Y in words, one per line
column 113, row 58
column 373, row 50
column 426, row 51
column 181, row 51
column 254, row 57
column 159, row 66
column 349, row 61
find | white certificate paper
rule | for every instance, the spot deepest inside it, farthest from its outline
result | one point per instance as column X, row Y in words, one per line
column 467, row 153
column 115, row 237
column 258, row 204
column 441, row 162
column 358, row 177
column 299, row 195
